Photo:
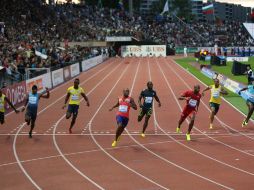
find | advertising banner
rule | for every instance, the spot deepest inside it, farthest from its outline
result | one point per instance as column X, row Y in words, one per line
column 41, row 82
column 57, row 77
column 144, row 50
column 74, row 70
column 16, row 94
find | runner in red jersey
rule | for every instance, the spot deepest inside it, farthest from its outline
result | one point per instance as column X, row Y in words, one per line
column 192, row 98
column 124, row 104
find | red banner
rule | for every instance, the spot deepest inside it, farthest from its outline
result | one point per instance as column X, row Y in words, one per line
column 16, row 94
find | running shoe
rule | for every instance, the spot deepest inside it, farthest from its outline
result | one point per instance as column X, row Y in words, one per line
column 143, row 135
column 211, row 126
column 244, row 123
column 114, row 144
column 188, row 138
column 178, row 130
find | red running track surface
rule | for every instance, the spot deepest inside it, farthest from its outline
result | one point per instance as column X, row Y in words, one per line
column 221, row 158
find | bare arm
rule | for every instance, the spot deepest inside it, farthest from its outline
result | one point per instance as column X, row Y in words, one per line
column 139, row 100
column 25, row 105
column 182, row 97
column 242, row 90
column 9, row 102
column 133, row 104
column 66, row 99
column 86, row 99
column 198, row 105
column 115, row 106
column 223, row 91
column 206, row 89
column 47, row 95
column 158, row 100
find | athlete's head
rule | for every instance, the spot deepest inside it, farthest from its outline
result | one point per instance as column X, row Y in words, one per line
column 216, row 82
column 76, row 83
column 196, row 89
column 149, row 85
column 34, row 89
column 126, row 92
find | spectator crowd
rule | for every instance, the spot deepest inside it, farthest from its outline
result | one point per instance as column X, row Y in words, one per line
column 31, row 32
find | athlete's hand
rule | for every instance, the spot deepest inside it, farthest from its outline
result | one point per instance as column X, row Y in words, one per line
column 64, row 106
column 23, row 109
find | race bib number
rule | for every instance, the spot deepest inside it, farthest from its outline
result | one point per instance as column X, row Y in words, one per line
column 148, row 100
column 32, row 100
column 193, row 103
column 74, row 97
column 216, row 94
column 123, row 108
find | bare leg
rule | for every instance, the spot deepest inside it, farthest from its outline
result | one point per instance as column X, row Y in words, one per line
column 145, row 123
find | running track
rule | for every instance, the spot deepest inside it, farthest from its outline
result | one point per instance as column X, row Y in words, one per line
column 221, row 158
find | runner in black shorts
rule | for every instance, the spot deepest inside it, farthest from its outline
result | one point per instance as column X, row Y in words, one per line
column 31, row 107
column 147, row 105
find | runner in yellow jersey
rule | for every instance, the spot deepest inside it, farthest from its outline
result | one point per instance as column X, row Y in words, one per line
column 73, row 93
column 4, row 99
column 216, row 91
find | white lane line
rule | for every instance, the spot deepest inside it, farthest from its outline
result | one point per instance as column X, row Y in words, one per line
column 20, row 128
column 222, row 98
column 174, row 164
column 19, row 163
column 200, row 153
column 101, row 148
column 98, row 150
column 57, row 124
column 227, row 145
column 99, row 133
column 63, row 84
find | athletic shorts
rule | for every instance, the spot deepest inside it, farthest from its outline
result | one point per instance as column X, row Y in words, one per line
column 249, row 101
column 187, row 111
column 32, row 114
column 73, row 109
column 215, row 106
column 145, row 111
column 1, row 117
column 122, row 120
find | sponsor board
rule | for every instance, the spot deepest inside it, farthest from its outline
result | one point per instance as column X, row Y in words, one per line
column 74, row 70
column 118, row 39
column 208, row 72
column 16, row 94
column 57, row 77
column 231, row 85
column 144, row 50
column 89, row 63
column 239, row 59
column 41, row 82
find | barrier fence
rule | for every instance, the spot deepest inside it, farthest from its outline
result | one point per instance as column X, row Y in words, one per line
column 17, row 93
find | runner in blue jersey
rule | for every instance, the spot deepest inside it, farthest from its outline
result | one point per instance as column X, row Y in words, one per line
column 31, row 107
column 249, row 102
